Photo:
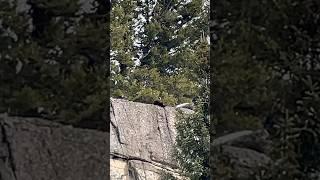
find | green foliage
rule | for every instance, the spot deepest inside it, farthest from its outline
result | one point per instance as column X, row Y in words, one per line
column 192, row 142
column 53, row 61
column 273, row 47
column 165, row 57
column 168, row 63
column 241, row 85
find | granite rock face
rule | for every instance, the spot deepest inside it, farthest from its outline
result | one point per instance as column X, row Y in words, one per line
column 246, row 151
column 35, row 149
column 141, row 140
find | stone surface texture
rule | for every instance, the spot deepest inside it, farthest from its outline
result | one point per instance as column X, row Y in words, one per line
column 141, row 140
column 247, row 151
column 35, row 149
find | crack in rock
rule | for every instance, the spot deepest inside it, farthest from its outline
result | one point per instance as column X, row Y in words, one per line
column 9, row 148
column 116, row 128
column 158, row 163
column 167, row 122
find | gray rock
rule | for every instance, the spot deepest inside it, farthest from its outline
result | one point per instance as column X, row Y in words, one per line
column 230, row 137
column 246, row 151
column 141, row 143
column 35, row 149
column 245, row 161
column 143, row 135
column 257, row 140
column 245, row 157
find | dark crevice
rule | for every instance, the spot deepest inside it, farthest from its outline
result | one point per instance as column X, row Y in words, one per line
column 133, row 173
column 52, row 162
column 116, row 128
column 167, row 121
column 158, row 127
column 165, row 163
column 153, row 162
column 6, row 141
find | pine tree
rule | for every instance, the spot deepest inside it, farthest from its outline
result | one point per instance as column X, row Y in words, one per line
column 57, row 62
column 193, row 139
column 168, row 43
column 273, row 47
column 122, row 50
column 167, row 64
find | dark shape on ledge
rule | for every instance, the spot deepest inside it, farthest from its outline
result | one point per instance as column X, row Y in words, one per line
column 269, row 122
column 158, row 103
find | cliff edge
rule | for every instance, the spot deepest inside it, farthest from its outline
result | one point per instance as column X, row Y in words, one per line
column 141, row 140
column 36, row 149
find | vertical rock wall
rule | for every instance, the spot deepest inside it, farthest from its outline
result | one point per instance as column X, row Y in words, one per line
column 141, row 140
column 34, row 149
column 141, row 143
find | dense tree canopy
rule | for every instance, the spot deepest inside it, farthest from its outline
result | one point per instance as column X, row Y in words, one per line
column 53, row 60
column 157, row 51
column 160, row 51
column 273, row 46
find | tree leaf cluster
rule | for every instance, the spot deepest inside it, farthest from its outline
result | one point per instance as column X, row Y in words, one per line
column 158, row 63
column 273, row 48
column 53, row 61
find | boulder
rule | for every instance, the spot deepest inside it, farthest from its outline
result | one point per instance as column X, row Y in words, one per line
column 245, row 151
column 36, row 149
column 141, row 140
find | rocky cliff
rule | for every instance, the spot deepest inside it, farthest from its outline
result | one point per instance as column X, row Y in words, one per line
column 141, row 143
column 245, row 153
column 35, row 149
column 141, row 140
